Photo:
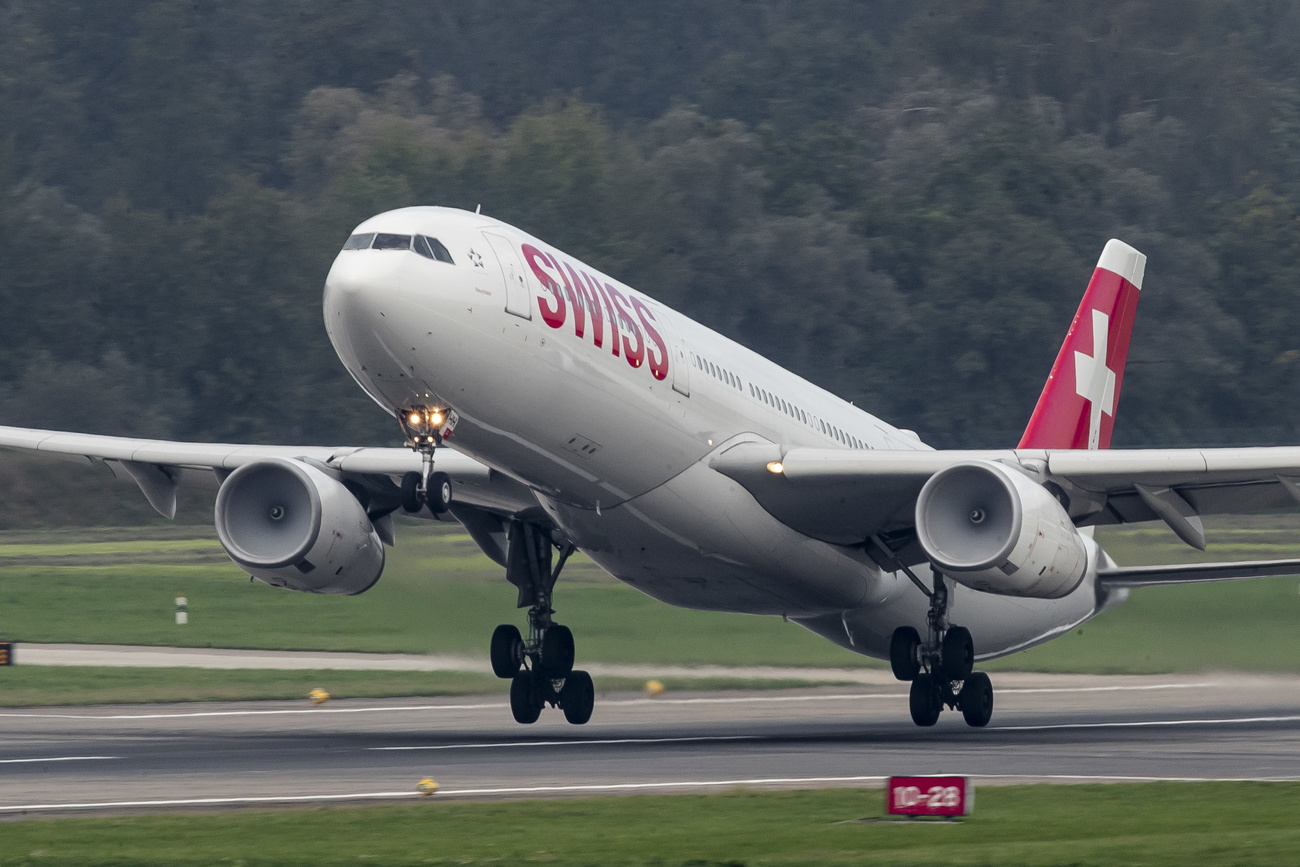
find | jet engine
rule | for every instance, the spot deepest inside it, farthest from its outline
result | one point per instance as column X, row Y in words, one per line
column 992, row 528
column 291, row 525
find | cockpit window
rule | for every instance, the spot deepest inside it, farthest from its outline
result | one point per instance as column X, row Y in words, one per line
column 440, row 252
column 431, row 248
column 359, row 242
column 384, row 241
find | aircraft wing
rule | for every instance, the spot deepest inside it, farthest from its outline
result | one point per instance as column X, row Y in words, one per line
column 157, row 465
column 845, row 497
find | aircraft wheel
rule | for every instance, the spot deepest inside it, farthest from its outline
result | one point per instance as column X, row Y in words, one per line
column 507, row 651
column 958, row 653
column 411, row 492
column 578, row 697
column 525, row 698
column 976, row 700
column 904, row 656
column 438, row 493
column 925, row 700
column 557, row 652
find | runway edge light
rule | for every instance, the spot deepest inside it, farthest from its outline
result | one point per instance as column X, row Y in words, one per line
column 318, row 696
column 427, row 786
column 929, row 796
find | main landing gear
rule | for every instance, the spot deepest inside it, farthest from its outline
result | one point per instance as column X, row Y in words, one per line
column 540, row 669
column 940, row 669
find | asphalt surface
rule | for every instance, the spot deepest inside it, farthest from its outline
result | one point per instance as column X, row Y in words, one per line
column 1045, row 728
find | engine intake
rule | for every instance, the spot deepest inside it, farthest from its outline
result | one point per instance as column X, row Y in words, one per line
column 291, row 525
column 992, row 528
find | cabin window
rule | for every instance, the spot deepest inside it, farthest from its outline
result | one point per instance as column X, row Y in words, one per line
column 385, row 241
column 359, row 242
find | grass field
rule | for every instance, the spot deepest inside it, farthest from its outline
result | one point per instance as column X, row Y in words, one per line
column 439, row 594
column 1134, row 824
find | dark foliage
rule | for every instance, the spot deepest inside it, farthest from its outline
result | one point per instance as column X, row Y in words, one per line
column 901, row 201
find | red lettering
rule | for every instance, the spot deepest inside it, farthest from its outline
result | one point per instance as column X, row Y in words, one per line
column 574, row 288
column 659, row 361
column 604, row 290
column 591, row 293
column 553, row 316
column 634, row 353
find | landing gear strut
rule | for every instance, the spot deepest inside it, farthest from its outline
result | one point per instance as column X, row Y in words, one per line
column 940, row 668
column 540, row 667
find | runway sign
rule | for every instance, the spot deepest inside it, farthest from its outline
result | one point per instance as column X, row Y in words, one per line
column 929, row 796
column 6, row 653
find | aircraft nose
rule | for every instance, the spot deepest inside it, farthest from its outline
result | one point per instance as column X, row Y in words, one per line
column 355, row 290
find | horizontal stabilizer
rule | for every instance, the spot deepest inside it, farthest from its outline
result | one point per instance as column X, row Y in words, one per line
column 1194, row 573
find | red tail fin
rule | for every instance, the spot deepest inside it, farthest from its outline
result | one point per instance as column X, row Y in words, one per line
column 1077, row 407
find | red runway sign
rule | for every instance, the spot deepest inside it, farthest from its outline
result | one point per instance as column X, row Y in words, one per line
column 929, row 796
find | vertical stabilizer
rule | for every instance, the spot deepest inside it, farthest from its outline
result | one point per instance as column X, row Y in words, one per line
column 1077, row 407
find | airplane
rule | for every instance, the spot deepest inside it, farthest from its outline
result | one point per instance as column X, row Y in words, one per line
column 549, row 408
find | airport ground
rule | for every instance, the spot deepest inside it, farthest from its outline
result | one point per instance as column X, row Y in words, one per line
column 1180, row 709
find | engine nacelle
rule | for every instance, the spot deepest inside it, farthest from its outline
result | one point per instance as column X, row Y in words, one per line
column 290, row 525
column 992, row 528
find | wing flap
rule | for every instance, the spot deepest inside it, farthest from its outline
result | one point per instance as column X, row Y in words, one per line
column 152, row 463
column 1195, row 573
column 846, row 496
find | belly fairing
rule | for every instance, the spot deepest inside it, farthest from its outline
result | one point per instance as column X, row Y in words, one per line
column 701, row 541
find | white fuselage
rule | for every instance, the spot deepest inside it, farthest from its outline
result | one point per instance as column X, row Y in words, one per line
column 608, row 406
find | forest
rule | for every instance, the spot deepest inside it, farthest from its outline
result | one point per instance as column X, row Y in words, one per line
column 900, row 201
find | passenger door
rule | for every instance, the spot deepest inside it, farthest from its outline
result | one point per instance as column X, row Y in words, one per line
column 518, row 300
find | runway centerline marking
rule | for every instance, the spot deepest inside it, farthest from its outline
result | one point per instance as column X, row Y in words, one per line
column 60, row 759
column 750, row 699
column 1155, row 723
column 572, row 743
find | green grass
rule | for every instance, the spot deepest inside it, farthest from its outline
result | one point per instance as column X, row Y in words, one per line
column 439, row 594
column 1136, row 824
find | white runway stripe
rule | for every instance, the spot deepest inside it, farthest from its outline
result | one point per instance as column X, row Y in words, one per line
column 60, row 759
column 572, row 743
column 1246, row 720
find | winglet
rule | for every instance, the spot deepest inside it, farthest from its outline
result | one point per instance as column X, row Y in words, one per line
column 1077, row 407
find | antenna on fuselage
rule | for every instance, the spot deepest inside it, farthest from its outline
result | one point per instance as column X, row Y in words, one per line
column 478, row 209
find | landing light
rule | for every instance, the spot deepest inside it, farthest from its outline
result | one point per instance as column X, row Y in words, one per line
column 422, row 424
column 776, row 467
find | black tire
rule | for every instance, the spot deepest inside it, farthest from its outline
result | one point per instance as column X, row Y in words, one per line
column 578, row 697
column 438, row 493
column 557, row 652
column 411, row 501
column 958, row 653
column 924, row 700
column 976, row 700
column 507, row 651
column 525, row 701
column 904, row 657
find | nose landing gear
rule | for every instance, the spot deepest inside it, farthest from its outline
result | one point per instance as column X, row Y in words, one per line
column 940, row 668
column 540, row 668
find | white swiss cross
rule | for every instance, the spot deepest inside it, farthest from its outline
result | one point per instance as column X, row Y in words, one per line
column 1093, row 380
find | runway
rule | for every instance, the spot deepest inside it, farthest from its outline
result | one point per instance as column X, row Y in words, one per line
column 1045, row 728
